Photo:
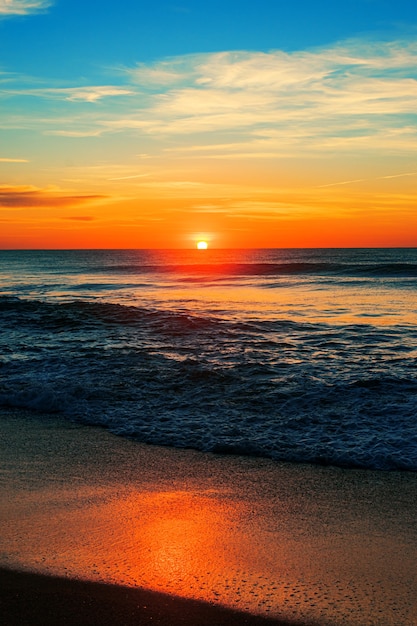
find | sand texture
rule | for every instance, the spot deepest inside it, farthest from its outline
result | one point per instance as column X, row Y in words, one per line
column 297, row 543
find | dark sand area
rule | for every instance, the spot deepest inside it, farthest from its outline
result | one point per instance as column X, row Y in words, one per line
column 28, row 599
column 96, row 529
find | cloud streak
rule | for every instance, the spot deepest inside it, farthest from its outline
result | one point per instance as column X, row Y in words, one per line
column 33, row 197
column 7, row 160
column 80, row 218
column 22, row 7
column 361, row 180
column 92, row 93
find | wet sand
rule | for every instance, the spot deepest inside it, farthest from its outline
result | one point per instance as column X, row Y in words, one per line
column 296, row 543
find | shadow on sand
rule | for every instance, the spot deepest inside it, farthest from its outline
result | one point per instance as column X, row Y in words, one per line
column 28, row 599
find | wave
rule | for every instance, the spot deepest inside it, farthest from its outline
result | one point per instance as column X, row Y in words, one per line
column 85, row 314
column 268, row 269
column 188, row 404
column 288, row 390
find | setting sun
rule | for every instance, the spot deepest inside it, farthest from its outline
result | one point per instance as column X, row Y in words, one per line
column 202, row 245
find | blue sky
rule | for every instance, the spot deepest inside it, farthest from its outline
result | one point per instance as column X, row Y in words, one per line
column 71, row 37
column 215, row 116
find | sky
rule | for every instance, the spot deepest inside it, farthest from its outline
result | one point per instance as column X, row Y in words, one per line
column 137, row 124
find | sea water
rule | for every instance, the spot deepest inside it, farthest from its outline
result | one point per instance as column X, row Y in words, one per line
column 297, row 355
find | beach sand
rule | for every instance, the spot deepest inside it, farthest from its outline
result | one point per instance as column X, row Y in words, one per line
column 179, row 536
column 39, row 600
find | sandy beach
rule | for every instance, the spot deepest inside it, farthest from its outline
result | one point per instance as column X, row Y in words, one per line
column 34, row 599
column 110, row 527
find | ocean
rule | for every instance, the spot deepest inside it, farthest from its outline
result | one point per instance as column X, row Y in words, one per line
column 305, row 356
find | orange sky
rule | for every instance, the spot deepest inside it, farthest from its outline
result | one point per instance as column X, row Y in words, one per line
column 372, row 213
column 312, row 147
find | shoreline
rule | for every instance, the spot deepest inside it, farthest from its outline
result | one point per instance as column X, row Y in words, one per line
column 296, row 543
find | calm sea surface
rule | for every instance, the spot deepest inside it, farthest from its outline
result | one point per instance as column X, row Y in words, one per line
column 297, row 355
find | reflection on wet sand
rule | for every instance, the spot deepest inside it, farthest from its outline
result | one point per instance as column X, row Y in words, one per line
column 319, row 544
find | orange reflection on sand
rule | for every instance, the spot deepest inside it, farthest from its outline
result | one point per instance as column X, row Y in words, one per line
column 201, row 545
column 295, row 542
column 175, row 540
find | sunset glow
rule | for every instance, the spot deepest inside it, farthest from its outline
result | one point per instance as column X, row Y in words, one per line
column 202, row 245
column 265, row 130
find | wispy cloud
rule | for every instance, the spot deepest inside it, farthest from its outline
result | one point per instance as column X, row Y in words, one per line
column 91, row 93
column 74, row 133
column 27, row 196
column 342, row 182
column 102, row 173
column 22, row 7
column 129, row 177
column 7, row 160
column 79, row 218
column 361, row 180
column 398, row 175
column 352, row 96
column 168, row 72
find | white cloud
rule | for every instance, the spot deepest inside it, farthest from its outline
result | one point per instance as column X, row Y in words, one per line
column 155, row 76
column 91, row 94
column 208, row 102
column 175, row 70
column 352, row 96
column 22, row 7
column 82, row 94
column 269, row 71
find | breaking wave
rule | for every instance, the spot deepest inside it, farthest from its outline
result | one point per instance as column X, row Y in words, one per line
column 290, row 390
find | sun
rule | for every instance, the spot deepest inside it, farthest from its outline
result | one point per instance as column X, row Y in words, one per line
column 202, row 245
